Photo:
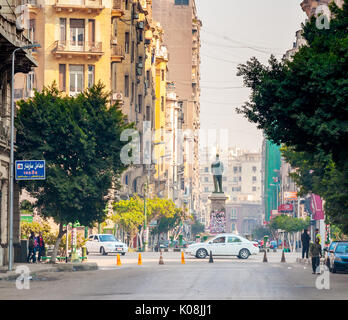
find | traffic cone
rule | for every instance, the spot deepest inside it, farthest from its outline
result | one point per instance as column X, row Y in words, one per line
column 161, row 259
column 182, row 257
column 118, row 260
column 265, row 257
column 211, row 257
column 139, row 260
column 283, row 257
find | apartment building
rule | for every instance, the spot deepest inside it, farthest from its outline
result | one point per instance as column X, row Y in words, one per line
column 11, row 38
column 182, row 37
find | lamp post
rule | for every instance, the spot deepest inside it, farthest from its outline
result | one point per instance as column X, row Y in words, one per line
column 32, row 46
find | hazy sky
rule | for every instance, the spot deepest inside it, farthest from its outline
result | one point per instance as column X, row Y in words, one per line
column 229, row 26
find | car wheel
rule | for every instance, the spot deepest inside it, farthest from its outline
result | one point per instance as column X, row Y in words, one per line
column 201, row 253
column 102, row 251
column 244, row 254
column 123, row 253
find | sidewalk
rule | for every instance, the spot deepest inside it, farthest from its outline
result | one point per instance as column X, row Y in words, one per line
column 37, row 268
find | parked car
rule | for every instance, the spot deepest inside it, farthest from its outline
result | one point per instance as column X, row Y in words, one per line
column 104, row 244
column 338, row 257
column 226, row 244
column 327, row 250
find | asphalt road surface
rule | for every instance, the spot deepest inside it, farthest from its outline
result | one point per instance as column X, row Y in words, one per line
column 226, row 278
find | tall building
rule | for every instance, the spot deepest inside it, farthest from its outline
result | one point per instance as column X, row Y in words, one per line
column 12, row 36
column 182, row 37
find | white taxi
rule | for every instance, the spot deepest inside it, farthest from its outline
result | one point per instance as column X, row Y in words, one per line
column 226, row 244
column 104, row 244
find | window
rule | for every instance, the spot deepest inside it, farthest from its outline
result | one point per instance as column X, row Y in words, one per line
column 77, row 33
column 162, row 75
column 132, row 53
column 162, row 103
column 126, row 44
column 148, row 113
column 206, row 179
column 90, row 76
column 126, row 86
column 254, row 178
column 62, row 77
column 30, row 81
column 114, row 27
column 233, row 240
column 62, row 23
column 254, row 169
column 31, row 30
column 181, row 2
column 132, row 93
column 254, row 189
column 219, row 240
column 91, row 31
column 206, row 169
column 126, row 179
column 76, row 79
column 140, row 103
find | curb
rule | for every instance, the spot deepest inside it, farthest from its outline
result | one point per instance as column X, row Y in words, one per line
column 69, row 267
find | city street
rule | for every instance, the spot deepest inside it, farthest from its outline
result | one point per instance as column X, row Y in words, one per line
column 225, row 279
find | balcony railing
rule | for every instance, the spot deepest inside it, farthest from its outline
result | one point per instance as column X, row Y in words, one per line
column 78, row 48
column 89, row 5
column 117, row 53
column 117, row 8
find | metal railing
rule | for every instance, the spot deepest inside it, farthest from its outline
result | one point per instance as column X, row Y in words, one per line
column 85, row 3
column 117, row 50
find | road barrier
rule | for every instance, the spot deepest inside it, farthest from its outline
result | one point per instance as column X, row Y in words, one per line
column 265, row 257
column 161, row 258
column 118, row 260
column 182, row 257
column 211, row 257
column 140, row 262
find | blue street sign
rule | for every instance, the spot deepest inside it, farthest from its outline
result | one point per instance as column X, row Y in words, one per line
column 30, row 170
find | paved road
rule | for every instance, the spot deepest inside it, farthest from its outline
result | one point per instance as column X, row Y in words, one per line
column 226, row 278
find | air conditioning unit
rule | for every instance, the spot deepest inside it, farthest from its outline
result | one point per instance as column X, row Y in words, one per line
column 117, row 96
column 114, row 41
column 140, row 65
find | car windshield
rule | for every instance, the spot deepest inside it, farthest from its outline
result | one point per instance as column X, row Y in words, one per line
column 107, row 237
column 342, row 248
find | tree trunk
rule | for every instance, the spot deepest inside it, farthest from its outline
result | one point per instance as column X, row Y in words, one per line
column 56, row 245
column 289, row 241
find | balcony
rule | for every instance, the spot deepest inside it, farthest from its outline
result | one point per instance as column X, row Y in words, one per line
column 117, row 54
column 77, row 49
column 87, row 6
column 117, row 8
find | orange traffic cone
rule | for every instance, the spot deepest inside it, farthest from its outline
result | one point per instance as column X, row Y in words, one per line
column 182, row 257
column 140, row 262
column 161, row 259
column 118, row 260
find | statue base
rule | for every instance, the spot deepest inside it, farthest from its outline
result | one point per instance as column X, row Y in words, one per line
column 218, row 213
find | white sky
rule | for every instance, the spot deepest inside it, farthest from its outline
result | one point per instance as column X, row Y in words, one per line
column 266, row 27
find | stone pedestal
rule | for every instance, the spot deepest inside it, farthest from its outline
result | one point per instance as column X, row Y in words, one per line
column 218, row 213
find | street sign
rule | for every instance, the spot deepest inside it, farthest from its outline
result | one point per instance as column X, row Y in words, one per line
column 30, row 170
column 27, row 218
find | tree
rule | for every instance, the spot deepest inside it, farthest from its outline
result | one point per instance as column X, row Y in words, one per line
column 79, row 138
column 197, row 227
column 303, row 105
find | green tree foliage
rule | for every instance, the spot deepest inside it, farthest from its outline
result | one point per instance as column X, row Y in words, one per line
column 288, row 223
column 197, row 227
column 303, row 104
column 79, row 137
column 36, row 227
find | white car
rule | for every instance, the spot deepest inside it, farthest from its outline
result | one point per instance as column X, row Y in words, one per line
column 226, row 244
column 104, row 244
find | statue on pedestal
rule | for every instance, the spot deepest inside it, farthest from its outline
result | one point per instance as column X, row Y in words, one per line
column 217, row 168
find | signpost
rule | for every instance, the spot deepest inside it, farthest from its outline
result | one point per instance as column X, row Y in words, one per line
column 30, row 170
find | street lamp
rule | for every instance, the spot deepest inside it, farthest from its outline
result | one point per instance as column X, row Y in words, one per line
column 32, row 46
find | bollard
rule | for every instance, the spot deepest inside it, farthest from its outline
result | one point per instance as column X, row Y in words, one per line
column 265, row 257
column 211, row 257
column 118, row 260
column 140, row 262
column 84, row 253
column 161, row 258
column 182, row 257
column 283, row 257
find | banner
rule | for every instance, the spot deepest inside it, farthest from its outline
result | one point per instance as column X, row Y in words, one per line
column 290, row 195
column 317, row 207
column 286, row 208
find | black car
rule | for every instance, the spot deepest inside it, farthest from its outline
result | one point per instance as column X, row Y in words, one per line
column 338, row 257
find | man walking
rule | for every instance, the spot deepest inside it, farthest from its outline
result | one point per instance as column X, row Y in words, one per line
column 305, row 238
column 41, row 246
column 315, row 253
column 31, row 247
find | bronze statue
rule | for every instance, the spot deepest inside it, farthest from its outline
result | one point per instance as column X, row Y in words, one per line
column 217, row 168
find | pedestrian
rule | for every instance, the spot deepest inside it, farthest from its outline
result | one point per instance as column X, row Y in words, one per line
column 317, row 235
column 316, row 254
column 40, row 246
column 31, row 247
column 305, row 238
